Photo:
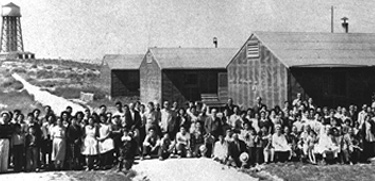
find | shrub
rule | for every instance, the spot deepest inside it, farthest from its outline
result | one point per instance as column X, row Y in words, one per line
column 31, row 73
column 48, row 67
column 17, row 85
column 60, row 74
column 13, row 84
column 44, row 74
column 19, row 70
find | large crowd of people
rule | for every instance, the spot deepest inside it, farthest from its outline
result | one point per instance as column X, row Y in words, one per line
column 299, row 131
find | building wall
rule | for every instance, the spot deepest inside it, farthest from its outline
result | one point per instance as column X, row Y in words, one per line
column 124, row 83
column 333, row 86
column 105, row 78
column 264, row 76
column 150, row 80
column 188, row 85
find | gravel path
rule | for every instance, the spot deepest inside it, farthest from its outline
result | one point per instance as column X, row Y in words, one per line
column 202, row 169
column 58, row 104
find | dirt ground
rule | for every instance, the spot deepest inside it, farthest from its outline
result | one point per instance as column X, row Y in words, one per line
column 66, row 176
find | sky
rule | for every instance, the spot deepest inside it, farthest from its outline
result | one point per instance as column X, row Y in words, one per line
column 89, row 29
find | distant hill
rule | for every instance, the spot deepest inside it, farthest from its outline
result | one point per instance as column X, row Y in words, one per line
column 64, row 78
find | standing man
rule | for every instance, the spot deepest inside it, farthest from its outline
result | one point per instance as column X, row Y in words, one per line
column 167, row 122
column 213, row 124
column 362, row 115
column 298, row 100
column 135, row 117
column 230, row 107
column 5, row 135
column 259, row 105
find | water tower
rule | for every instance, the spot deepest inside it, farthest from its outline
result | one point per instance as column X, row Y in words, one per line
column 11, row 45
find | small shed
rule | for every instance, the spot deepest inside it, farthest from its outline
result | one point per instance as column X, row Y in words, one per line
column 120, row 74
column 332, row 68
column 185, row 74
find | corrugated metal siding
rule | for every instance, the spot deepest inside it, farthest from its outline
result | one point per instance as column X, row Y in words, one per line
column 264, row 76
column 150, row 81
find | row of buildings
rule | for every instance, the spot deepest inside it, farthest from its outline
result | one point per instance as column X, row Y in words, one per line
column 332, row 68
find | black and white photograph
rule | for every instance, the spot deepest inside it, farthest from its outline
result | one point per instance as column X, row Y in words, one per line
column 187, row 90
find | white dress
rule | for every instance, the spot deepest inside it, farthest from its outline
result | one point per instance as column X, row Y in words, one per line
column 107, row 144
column 90, row 144
column 58, row 143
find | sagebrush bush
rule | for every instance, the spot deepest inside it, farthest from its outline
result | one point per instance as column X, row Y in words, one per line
column 19, row 70
column 44, row 74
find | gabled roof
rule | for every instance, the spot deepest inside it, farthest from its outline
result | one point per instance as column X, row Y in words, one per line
column 123, row 61
column 320, row 49
column 193, row 58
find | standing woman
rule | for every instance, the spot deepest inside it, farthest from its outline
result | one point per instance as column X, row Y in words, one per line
column 151, row 116
column 90, row 144
column 106, row 145
column 58, row 133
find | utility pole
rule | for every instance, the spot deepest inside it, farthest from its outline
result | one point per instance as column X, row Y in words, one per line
column 332, row 19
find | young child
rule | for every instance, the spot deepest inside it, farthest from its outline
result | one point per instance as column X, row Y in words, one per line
column 17, row 145
column 31, row 144
column 127, row 151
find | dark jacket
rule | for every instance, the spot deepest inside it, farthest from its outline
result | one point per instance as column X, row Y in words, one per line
column 130, row 122
column 213, row 126
column 74, row 134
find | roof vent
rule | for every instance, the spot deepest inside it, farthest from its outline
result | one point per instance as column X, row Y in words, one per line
column 253, row 49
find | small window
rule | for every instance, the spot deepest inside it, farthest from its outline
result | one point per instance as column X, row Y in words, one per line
column 253, row 49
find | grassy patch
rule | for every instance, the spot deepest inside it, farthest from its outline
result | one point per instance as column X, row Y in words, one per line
column 19, row 100
column 298, row 172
